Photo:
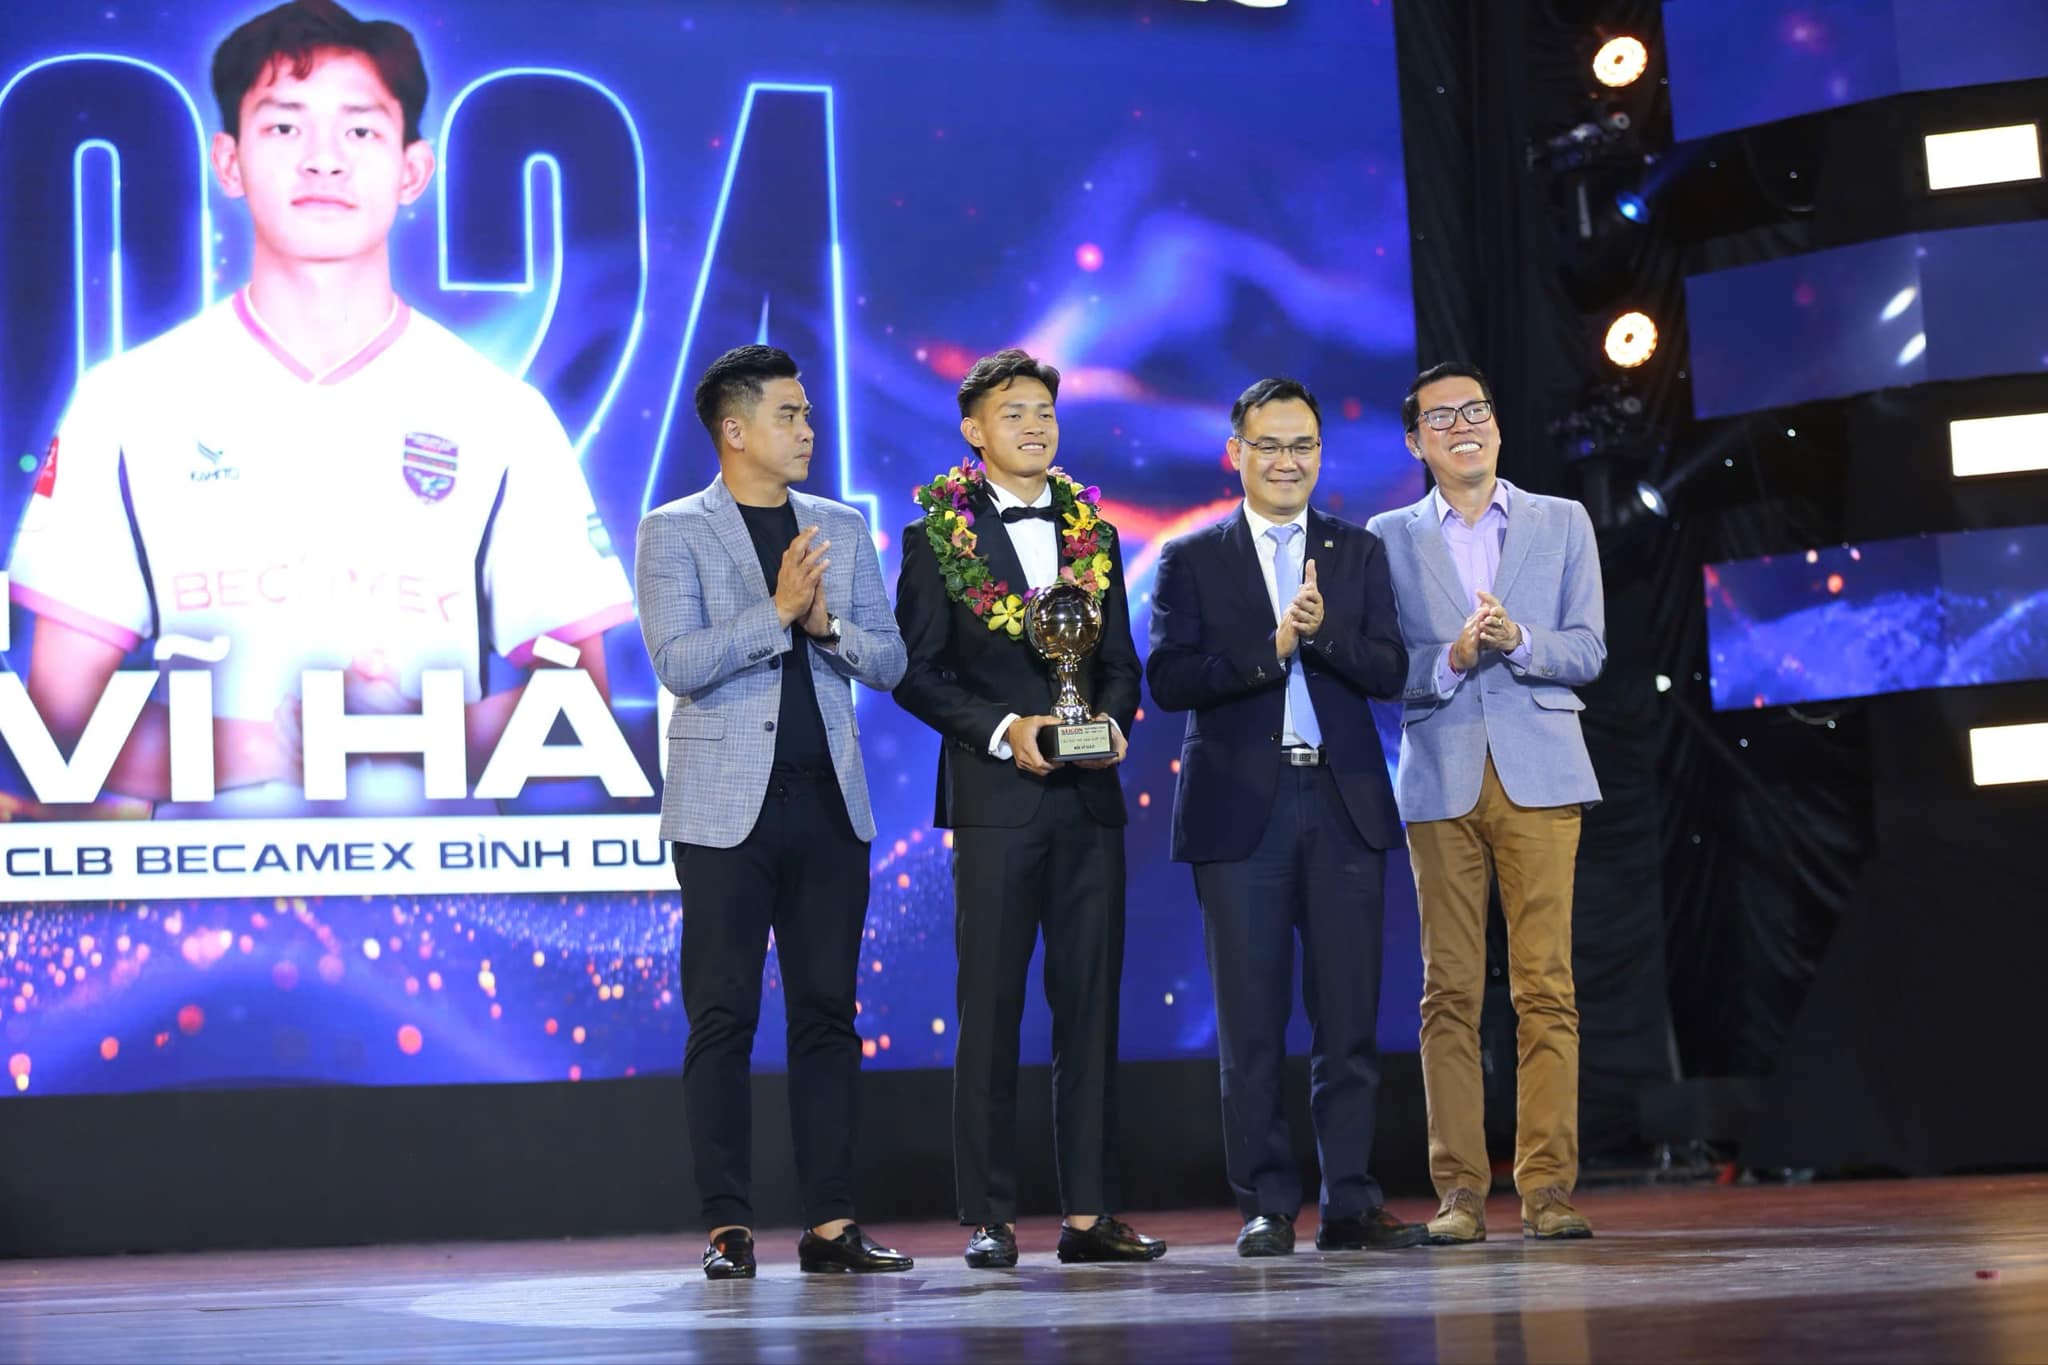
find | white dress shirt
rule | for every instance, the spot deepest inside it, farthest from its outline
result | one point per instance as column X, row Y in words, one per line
column 1297, row 549
column 1036, row 542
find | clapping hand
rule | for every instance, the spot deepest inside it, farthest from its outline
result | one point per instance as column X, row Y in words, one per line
column 1496, row 631
column 797, row 591
column 1306, row 610
column 1303, row 616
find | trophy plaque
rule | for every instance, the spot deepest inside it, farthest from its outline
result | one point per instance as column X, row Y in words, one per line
column 1063, row 624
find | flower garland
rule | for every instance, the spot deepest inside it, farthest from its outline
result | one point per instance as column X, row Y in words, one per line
column 949, row 526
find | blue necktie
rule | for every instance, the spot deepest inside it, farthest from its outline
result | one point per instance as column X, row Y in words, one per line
column 1287, row 579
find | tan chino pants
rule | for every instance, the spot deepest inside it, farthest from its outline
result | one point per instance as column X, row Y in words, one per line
column 1534, row 851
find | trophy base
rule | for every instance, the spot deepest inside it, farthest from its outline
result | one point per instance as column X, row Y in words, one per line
column 1067, row 743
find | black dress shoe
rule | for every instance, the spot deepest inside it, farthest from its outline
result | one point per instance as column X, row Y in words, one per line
column 730, row 1256
column 1269, row 1234
column 849, row 1253
column 1107, row 1239
column 1375, row 1231
column 992, row 1247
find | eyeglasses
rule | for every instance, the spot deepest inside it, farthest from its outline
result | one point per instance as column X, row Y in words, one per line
column 1441, row 419
column 1304, row 449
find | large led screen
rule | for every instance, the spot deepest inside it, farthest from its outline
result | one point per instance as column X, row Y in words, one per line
column 1875, row 315
column 1737, row 64
column 1166, row 198
column 1958, row 609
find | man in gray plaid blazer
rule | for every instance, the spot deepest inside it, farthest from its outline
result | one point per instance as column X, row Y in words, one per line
column 761, row 607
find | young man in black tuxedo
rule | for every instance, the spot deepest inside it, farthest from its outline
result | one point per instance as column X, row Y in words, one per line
column 1037, row 846
column 1271, row 629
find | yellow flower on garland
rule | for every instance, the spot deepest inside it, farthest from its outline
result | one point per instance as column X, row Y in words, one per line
column 1007, row 614
column 949, row 529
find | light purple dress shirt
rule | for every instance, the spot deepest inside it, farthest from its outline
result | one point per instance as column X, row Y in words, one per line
column 1475, row 553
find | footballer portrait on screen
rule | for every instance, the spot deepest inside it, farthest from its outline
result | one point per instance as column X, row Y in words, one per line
column 309, row 475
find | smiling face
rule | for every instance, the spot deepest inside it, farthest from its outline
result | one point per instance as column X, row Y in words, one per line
column 1016, row 429
column 1279, row 456
column 322, row 160
column 1465, row 454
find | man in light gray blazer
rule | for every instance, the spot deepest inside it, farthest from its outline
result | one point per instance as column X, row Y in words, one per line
column 761, row 607
column 1502, row 615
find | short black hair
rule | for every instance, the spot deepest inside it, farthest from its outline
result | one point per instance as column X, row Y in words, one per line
column 1411, row 406
column 1275, row 390
column 296, row 34
column 736, row 379
column 993, row 372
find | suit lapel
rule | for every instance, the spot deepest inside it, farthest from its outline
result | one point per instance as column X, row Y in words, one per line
column 1429, row 547
column 732, row 533
column 1324, row 544
column 992, row 538
column 1242, row 552
column 1514, row 547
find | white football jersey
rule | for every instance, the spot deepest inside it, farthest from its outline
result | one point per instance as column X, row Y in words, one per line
column 407, row 510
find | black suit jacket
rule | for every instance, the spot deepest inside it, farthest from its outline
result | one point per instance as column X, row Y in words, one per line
column 1212, row 656
column 963, row 678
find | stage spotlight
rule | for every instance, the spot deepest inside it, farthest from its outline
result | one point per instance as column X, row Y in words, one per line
column 1998, row 445
column 2008, row 753
column 1631, row 340
column 1983, row 156
column 1620, row 61
column 1651, row 499
column 1630, row 205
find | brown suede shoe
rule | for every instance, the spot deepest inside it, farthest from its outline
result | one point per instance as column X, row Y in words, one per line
column 1462, row 1219
column 1548, row 1215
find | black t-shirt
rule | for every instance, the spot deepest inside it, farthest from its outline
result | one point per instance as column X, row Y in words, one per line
column 799, row 729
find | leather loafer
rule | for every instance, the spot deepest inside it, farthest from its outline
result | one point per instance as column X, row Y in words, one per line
column 1107, row 1239
column 1269, row 1234
column 849, row 1253
column 730, row 1256
column 992, row 1247
column 1375, row 1231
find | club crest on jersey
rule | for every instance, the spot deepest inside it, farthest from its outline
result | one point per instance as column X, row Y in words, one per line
column 429, row 465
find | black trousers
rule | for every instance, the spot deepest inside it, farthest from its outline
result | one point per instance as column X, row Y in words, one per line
column 1062, row 875
column 803, row 874
column 1311, row 875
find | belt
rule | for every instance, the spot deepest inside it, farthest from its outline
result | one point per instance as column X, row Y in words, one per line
column 1302, row 756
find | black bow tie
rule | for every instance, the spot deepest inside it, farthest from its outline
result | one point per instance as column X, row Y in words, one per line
column 1015, row 514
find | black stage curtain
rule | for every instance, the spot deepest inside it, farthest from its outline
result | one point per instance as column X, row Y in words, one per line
column 1815, row 895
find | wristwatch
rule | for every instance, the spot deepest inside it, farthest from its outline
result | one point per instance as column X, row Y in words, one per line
column 831, row 635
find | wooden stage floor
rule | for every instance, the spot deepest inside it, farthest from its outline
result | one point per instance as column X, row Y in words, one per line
column 1949, row 1270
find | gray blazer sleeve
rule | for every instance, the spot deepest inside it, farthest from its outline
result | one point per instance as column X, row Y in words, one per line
column 1575, row 650
column 870, row 648
column 689, row 652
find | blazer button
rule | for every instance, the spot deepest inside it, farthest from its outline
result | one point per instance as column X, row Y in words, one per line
column 774, row 664
column 767, row 725
column 1275, row 736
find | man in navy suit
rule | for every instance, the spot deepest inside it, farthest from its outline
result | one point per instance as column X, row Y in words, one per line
column 1271, row 629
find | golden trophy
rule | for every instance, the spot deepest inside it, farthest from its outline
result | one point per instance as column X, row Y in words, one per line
column 1063, row 624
